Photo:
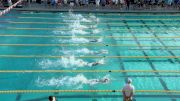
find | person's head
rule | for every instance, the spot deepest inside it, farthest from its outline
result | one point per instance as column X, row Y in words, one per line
column 52, row 98
column 129, row 81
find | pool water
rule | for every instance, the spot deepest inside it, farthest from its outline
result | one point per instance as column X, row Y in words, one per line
column 77, row 37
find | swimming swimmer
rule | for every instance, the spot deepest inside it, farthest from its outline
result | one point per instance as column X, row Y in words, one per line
column 97, row 81
column 95, row 64
column 84, row 63
column 101, row 52
column 103, row 80
column 93, row 40
column 96, row 40
column 100, row 62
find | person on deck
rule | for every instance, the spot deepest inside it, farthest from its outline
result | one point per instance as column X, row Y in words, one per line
column 128, row 91
column 38, row 1
column 127, row 4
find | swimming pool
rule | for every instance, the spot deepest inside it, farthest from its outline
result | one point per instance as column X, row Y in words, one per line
column 142, row 46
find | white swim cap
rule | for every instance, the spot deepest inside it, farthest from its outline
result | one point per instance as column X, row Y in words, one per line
column 129, row 80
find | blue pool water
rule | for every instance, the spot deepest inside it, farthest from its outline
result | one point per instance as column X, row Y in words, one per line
column 28, row 40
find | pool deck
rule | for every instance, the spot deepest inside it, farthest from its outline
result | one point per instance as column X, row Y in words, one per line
column 92, row 8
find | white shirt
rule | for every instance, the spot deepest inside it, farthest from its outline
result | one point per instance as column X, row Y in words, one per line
column 128, row 88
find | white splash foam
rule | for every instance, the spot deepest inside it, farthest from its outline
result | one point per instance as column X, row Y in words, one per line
column 77, row 25
column 69, row 81
column 68, row 62
column 56, row 32
column 96, row 31
column 79, row 40
column 78, row 31
column 46, row 63
column 102, row 61
column 82, row 51
column 85, row 20
column 94, row 18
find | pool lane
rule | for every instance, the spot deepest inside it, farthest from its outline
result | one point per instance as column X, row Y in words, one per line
column 137, row 35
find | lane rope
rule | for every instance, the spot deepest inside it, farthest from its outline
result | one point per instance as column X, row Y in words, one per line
column 119, row 14
column 63, row 23
column 54, row 36
column 83, row 91
column 50, row 56
column 65, row 29
column 48, row 18
column 88, row 45
column 90, row 71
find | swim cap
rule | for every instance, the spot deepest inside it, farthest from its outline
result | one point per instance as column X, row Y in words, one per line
column 129, row 80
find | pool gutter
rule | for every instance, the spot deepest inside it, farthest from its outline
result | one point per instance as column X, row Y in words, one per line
column 100, row 10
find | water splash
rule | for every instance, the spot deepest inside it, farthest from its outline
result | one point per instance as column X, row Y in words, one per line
column 85, row 51
column 77, row 40
column 46, row 63
column 76, row 82
column 82, row 51
column 69, row 62
column 73, row 62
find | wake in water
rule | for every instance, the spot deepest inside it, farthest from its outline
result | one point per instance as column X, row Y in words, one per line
column 80, row 40
column 69, row 81
column 69, row 62
column 72, row 61
column 83, row 51
column 78, row 23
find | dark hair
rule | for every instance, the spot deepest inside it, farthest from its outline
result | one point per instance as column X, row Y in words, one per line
column 50, row 98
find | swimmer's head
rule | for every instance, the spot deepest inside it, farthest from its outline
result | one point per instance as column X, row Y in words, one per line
column 105, row 79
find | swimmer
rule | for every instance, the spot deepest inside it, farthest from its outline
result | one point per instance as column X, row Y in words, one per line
column 97, row 81
column 93, row 40
column 83, row 63
column 103, row 80
column 101, row 52
column 96, row 40
column 72, row 61
column 95, row 63
column 100, row 62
